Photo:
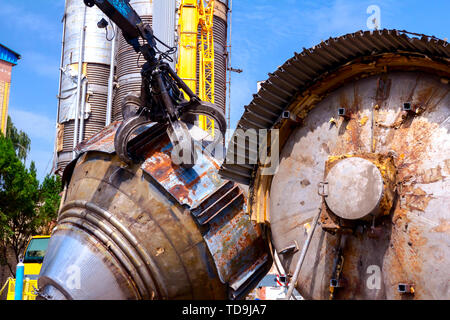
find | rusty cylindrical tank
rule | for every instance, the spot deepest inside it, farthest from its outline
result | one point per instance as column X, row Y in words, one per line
column 364, row 141
column 152, row 230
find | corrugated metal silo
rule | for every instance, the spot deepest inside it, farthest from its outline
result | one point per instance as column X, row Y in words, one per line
column 220, row 27
column 95, row 60
column 128, row 61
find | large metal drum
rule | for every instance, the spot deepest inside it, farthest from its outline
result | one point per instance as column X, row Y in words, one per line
column 152, row 230
column 364, row 141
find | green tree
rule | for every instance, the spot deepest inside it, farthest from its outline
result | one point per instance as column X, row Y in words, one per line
column 27, row 208
column 20, row 140
column 18, row 197
column 49, row 200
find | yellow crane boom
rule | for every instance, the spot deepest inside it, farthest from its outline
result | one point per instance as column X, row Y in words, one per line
column 195, row 15
column 188, row 30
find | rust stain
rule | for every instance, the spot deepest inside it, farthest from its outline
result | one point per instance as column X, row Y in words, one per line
column 413, row 89
column 343, row 100
column 383, row 90
column 357, row 101
column 305, row 183
column 196, row 180
column 431, row 175
column 100, row 140
column 160, row 168
column 417, row 202
column 403, row 245
column 443, row 227
column 415, row 237
column 413, row 154
column 363, row 121
column 423, row 98
column 419, row 192
column 353, row 130
column 447, row 166
column 306, row 160
column 428, row 99
column 180, row 192
column 327, row 149
column 159, row 251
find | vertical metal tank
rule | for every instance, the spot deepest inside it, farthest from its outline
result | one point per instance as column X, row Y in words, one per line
column 220, row 32
column 364, row 149
column 152, row 230
column 128, row 63
column 95, row 60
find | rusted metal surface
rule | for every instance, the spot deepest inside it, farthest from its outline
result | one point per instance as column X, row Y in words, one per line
column 235, row 242
column 188, row 187
column 161, row 231
column 232, row 237
column 352, row 193
column 393, row 92
column 411, row 244
column 103, row 141
column 296, row 76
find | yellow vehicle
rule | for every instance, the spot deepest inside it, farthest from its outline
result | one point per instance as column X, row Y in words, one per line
column 32, row 261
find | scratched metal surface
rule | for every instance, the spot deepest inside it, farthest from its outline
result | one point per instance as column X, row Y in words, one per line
column 414, row 242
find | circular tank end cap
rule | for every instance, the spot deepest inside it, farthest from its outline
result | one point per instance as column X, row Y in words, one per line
column 355, row 188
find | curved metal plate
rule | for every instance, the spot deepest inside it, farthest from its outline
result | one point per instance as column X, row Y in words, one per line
column 413, row 242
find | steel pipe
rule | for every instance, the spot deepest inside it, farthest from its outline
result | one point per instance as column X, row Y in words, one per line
column 83, row 109
column 61, row 65
column 80, row 74
column 109, row 104
column 294, row 279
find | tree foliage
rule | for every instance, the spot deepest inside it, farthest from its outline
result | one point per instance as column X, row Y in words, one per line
column 20, row 140
column 49, row 199
column 27, row 207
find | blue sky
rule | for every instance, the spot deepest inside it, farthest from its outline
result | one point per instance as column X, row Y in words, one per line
column 265, row 34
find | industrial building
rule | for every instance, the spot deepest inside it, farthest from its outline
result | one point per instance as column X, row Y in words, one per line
column 8, row 59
